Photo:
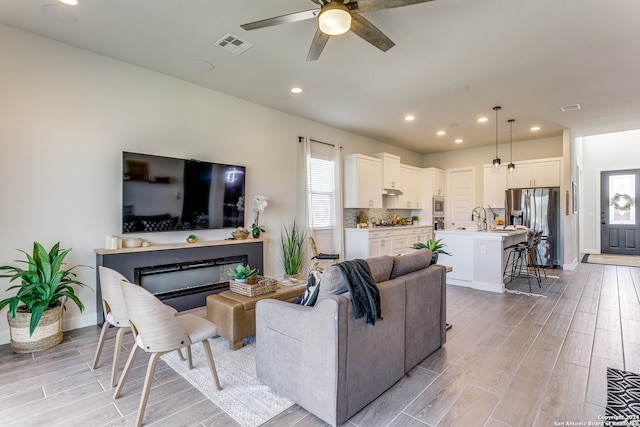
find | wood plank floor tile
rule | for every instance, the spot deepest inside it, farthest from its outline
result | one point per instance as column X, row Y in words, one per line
column 608, row 345
column 583, row 323
column 386, row 407
column 577, row 349
column 564, row 396
column 519, row 405
column 510, row 360
column 472, row 408
column 597, row 385
column 608, row 319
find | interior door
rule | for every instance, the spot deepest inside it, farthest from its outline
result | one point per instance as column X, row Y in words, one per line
column 619, row 216
column 461, row 195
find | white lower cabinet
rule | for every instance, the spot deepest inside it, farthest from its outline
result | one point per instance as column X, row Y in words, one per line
column 371, row 242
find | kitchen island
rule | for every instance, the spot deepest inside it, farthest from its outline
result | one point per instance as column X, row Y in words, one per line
column 477, row 257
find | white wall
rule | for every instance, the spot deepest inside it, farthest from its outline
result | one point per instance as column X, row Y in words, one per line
column 67, row 114
column 614, row 151
column 478, row 157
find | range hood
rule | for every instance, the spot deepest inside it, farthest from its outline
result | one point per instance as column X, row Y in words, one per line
column 391, row 192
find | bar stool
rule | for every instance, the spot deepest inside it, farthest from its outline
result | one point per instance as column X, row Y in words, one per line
column 523, row 255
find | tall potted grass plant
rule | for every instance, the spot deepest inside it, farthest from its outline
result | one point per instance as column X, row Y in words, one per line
column 292, row 247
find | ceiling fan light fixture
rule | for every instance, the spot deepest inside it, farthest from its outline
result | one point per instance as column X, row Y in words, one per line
column 334, row 19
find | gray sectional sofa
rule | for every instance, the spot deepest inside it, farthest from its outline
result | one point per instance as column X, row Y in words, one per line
column 332, row 364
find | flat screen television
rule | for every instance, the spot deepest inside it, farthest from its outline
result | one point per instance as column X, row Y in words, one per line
column 171, row 194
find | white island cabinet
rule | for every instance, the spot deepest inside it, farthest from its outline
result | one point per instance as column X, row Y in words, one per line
column 370, row 242
column 477, row 257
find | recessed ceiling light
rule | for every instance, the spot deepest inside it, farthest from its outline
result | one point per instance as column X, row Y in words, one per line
column 69, row 2
column 409, row 118
column 458, row 88
column 441, row 132
column 535, row 128
column 458, row 141
column 482, row 119
column 296, row 89
column 201, row 65
column 59, row 14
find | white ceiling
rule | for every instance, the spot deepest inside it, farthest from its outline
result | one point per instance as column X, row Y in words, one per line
column 530, row 57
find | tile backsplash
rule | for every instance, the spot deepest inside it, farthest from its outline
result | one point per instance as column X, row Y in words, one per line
column 374, row 215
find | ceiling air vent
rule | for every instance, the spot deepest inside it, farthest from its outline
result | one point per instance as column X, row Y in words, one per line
column 233, row 44
column 572, row 107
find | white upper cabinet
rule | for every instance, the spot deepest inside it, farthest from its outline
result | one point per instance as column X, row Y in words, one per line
column 362, row 182
column 410, row 185
column 438, row 181
column 541, row 173
column 390, row 170
column 495, row 186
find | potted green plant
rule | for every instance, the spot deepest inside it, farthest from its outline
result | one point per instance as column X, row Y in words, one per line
column 435, row 246
column 415, row 219
column 241, row 273
column 44, row 287
column 292, row 247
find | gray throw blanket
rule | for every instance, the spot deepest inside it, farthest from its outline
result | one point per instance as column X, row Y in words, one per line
column 365, row 295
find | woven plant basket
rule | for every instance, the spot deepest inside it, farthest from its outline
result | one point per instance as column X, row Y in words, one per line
column 48, row 333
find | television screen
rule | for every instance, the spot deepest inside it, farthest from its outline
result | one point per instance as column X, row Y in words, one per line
column 169, row 194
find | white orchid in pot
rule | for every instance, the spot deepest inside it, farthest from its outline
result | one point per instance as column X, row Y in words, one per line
column 258, row 204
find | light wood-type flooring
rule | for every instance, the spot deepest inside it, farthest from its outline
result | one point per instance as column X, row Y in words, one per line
column 509, row 360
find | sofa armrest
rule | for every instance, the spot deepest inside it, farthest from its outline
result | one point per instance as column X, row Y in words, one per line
column 301, row 353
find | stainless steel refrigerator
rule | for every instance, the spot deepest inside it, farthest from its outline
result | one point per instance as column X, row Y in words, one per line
column 538, row 209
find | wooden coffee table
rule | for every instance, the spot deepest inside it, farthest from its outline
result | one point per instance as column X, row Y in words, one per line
column 235, row 314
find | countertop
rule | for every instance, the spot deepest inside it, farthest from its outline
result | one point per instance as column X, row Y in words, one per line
column 482, row 233
column 390, row 227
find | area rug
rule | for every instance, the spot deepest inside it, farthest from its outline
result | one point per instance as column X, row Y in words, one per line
column 623, row 398
column 608, row 259
column 520, row 285
column 243, row 397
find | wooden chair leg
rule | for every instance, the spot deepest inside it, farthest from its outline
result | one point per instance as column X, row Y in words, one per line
column 189, row 357
column 148, row 379
column 116, row 354
column 103, row 335
column 180, row 355
column 125, row 372
column 212, row 364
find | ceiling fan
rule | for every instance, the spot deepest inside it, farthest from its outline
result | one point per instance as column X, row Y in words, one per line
column 336, row 17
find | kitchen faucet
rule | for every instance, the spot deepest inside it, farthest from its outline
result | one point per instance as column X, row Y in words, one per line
column 481, row 213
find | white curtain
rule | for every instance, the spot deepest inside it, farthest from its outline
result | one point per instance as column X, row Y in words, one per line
column 330, row 152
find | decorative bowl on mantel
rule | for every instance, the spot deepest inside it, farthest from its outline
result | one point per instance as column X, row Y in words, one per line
column 240, row 234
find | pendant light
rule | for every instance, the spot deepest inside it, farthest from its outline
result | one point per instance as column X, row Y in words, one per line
column 511, row 166
column 496, row 161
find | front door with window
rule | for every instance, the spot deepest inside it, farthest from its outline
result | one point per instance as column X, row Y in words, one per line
column 619, row 216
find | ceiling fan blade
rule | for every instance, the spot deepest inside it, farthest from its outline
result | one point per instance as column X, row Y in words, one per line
column 317, row 45
column 370, row 33
column 284, row 19
column 369, row 5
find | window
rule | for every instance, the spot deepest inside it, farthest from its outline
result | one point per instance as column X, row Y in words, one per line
column 321, row 186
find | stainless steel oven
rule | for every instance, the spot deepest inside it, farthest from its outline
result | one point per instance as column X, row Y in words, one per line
column 438, row 206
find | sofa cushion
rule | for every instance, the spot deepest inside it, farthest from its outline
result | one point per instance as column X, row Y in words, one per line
column 380, row 268
column 333, row 282
column 409, row 263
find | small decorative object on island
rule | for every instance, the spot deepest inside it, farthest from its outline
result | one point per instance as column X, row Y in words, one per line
column 192, row 238
column 258, row 205
column 292, row 246
column 241, row 273
column 240, row 233
column 415, row 219
column 434, row 246
column 35, row 312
